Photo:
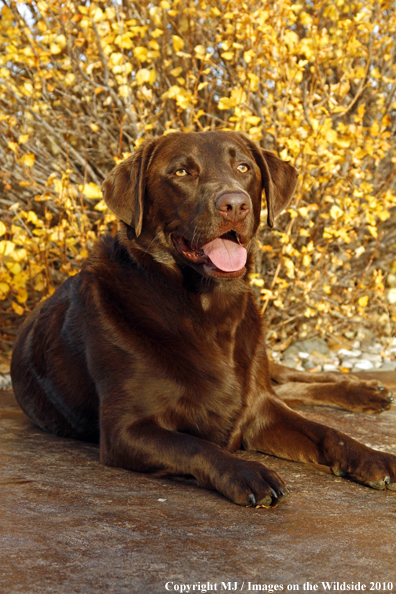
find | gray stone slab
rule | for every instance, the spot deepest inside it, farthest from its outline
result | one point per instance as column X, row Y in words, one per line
column 70, row 525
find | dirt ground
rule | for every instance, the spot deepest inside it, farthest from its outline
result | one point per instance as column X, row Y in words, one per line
column 70, row 525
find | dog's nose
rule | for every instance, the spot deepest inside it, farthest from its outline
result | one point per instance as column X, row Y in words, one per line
column 233, row 206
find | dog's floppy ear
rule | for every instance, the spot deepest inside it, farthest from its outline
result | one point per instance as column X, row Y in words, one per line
column 125, row 186
column 279, row 179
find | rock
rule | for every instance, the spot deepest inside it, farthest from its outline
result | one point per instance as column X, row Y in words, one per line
column 350, row 361
column 374, row 348
column 330, row 367
column 349, row 334
column 391, row 295
column 347, row 363
column 388, row 366
column 308, row 364
column 307, row 346
column 291, row 362
column 363, row 365
column 374, row 358
column 365, row 334
column 5, row 382
column 348, row 353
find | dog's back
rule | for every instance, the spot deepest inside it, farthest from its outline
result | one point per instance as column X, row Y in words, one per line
column 49, row 373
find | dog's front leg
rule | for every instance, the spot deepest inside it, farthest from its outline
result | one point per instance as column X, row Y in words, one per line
column 147, row 447
column 276, row 429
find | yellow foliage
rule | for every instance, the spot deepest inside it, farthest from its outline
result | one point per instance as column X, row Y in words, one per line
column 82, row 85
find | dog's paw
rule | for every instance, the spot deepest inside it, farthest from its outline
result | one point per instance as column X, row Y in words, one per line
column 250, row 483
column 374, row 469
column 368, row 396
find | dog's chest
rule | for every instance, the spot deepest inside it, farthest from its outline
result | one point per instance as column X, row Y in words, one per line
column 206, row 383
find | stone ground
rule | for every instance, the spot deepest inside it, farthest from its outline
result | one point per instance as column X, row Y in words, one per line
column 69, row 525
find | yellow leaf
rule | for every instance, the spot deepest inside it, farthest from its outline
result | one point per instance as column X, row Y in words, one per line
column 156, row 33
column 361, row 110
column 238, row 96
column 227, row 55
column 94, row 127
column 18, row 309
column 178, row 43
column 27, row 159
column 19, row 255
column 97, row 14
column 176, row 71
column 200, row 51
column 140, row 53
column 336, row 212
column 4, row 289
column 91, row 190
column 116, row 58
column 101, row 206
column 363, row 301
column 3, row 228
column 32, row 218
column 14, row 268
column 69, row 79
column 55, row 49
column 123, row 91
column 13, row 146
column 383, row 215
column 22, row 294
column 289, row 267
column 254, row 81
column 202, row 86
column 144, row 75
column 254, row 120
column 6, row 247
column 23, row 138
column 248, row 56
column 60, row 41
column 373, row 231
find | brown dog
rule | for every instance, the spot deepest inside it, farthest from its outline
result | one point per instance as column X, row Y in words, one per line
column 157, row 349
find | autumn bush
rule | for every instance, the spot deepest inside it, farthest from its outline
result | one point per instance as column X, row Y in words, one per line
column 82, row 85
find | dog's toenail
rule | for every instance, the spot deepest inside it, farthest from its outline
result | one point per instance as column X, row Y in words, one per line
column 387, row 480
column 252, row 499
column 390, row 398
column 273, row 494
column 380, row 388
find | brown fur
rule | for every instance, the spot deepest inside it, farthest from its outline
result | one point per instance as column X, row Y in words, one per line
column 162, row 359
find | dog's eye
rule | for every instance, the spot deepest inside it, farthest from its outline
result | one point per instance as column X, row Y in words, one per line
column 181, row 172
column 242, row 168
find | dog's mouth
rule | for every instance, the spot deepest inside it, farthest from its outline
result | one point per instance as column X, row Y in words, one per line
column 224, row 256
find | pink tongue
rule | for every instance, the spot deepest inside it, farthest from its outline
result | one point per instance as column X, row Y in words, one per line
column 225, row 254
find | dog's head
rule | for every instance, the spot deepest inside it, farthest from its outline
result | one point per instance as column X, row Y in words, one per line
column 195, row 199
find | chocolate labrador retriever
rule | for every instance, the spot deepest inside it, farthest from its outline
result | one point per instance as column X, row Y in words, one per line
column 157, row 349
